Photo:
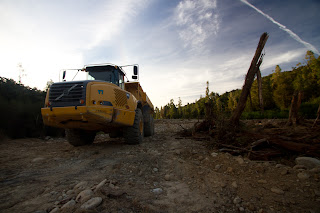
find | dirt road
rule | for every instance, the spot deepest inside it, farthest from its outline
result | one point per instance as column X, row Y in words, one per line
column 166, row 173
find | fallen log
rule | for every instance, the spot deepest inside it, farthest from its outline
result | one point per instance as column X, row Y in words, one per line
column 259, row 142
column 313, row 150
column 264, row 154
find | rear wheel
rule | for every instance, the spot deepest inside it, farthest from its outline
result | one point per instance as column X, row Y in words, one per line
column 79, row 137
column 149, row 127
column 134, row 134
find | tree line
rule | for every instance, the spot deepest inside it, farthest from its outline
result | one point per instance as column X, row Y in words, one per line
column 277, row 91
column 20, row 111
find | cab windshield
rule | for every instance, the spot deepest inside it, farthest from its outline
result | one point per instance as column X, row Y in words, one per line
column 105, row 73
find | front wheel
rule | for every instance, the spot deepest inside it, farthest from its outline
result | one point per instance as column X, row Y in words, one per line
column 134, row 134
column 79, row 137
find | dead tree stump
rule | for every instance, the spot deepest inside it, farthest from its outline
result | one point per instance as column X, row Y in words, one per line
column 294, row 108
column 254, row 67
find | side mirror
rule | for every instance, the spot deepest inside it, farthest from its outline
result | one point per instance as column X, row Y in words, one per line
column 135, row 77
column 64, row 75
column 135, row 70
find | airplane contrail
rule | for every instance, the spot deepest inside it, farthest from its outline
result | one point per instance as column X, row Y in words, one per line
column 284, row 28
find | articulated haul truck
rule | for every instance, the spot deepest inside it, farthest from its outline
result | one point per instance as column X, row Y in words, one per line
column 103, row 102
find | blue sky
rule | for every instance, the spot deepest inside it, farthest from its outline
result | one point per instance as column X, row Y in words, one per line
column 179, row 45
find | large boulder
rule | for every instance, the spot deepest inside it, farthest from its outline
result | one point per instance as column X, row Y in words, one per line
column 308, row 162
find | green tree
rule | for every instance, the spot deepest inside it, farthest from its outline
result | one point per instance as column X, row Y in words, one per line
column 180, row 111
column 233, row 99
column 173, row 111
column 157, row 113
column 282, row 83
column 308, row 76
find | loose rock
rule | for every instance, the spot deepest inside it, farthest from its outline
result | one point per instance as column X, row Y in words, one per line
column 37, row 159
column 55, row 210
column 214, row 154
column 100, row 185
column 279, row 165
column 234, row 184
column 157, row 191
column 223, row 184
column 308, row 162
column 303, row 175
column 298, row 167
column 84, row 195
column 237, row 200
column 167, row 177
column 229, row 169
column 262, row 181
column 284, row 172
column 277, row 190
column 217, row 167
column 69, row 204
column 240, row 160
column 47, row 138
column 251, row 207
column 81, row 185
column 69, row 192
column 92, row 203
column 112, row 186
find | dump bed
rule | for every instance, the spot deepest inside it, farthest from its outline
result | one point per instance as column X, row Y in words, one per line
column 136, row 89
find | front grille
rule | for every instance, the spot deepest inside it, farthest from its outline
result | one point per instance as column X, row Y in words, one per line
column 121, row 97
column 67, row 94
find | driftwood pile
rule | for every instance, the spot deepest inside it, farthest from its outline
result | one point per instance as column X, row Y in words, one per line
column 273, row 147
column 265, row 143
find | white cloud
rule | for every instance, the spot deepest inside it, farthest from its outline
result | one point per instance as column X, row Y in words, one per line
column 197, row 20
column 111, row 19
column 277, row 58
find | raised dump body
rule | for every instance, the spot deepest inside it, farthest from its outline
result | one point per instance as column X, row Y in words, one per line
column 103, row 103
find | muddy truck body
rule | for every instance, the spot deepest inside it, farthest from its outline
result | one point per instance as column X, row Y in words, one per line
column 104, row 102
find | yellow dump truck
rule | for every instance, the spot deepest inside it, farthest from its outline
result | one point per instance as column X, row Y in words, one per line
column 102, row 102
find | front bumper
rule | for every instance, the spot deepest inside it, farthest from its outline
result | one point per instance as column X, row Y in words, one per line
column 82, row 117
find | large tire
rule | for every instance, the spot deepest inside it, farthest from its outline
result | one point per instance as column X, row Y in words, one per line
column 149, row 127
column 79, row 137
column 134, row 134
